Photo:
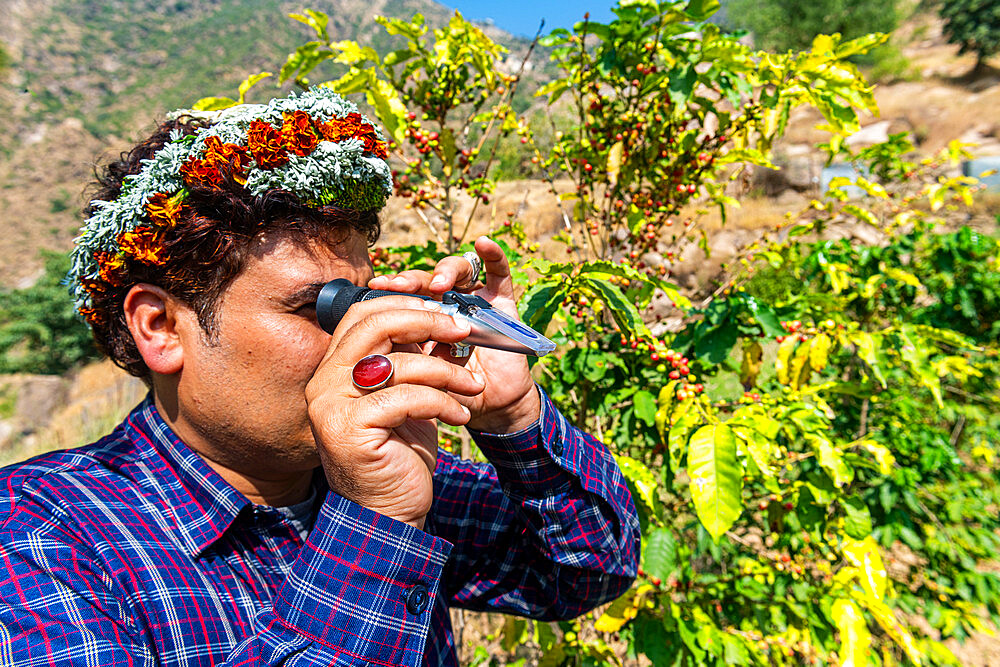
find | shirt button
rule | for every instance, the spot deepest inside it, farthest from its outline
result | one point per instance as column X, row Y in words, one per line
column 417, row 599
column 557, row 449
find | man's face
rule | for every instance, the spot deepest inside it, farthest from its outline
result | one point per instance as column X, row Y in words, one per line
column 241, row 397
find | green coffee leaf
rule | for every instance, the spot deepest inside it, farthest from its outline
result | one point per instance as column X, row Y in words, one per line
column 716, row 478
column 659, row 553
column 645, row 406
column 857, row 519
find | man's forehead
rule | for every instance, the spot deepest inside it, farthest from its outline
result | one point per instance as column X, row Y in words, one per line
column 293, row 262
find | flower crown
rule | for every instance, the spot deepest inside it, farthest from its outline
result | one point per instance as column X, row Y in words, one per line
column 315, row 145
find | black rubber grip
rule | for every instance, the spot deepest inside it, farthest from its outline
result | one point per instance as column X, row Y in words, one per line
column 339, row 295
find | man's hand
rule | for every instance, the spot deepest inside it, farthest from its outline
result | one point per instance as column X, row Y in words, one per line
column 510, row 401
column 379, row 448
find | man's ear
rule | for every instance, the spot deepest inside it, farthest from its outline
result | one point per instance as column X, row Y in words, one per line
column 152, row 318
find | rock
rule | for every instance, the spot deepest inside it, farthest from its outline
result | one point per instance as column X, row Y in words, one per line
column 667, row 325
column 868, row 235
column 29, row 280
column 876, row 133
column 38, row 398
column 979, row 165
column 7, row 429
column 837, row 171
column 799, row 167
column 727, row 243
column 653, row 259
column 985, row 83
column 791, row 201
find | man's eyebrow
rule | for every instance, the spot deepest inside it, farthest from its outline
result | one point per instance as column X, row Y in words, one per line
column 304, row 295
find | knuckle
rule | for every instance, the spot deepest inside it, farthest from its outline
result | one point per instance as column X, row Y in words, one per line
column 372, row 323
column 384, row 399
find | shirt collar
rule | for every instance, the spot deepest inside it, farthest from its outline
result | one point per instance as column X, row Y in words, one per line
column 204, row 505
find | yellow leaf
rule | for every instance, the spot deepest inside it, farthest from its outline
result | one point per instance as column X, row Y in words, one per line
column 882, row 455
column 868, row 291
column 884, row 616
column 750, row 368
column 865, row 344
column 249, row 83
column 782, row 362
column 855, row 640
column 616, row 616
column 819, row 350
column 214, row 103
column 823, row 45
column 866, row 557
column 615, row 162
column 902, row 276
column 874, row 189
column 623, row 610
column 800, row 370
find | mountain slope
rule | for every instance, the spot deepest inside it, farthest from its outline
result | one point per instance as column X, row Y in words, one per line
column 88, row 76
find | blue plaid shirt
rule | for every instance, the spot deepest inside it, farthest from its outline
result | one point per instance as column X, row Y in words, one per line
column 133, row 551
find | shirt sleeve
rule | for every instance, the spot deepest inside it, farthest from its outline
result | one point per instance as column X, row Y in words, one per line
column 360, row 591
column 547, row 529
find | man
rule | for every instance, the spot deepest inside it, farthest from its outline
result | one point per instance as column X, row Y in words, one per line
column 267, row 504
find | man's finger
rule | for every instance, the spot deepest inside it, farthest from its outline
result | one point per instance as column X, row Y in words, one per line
column 455, row 272
column 434, row 372
column 450, row 273
column 392, row 406
column 409, row 282
column 496, row 268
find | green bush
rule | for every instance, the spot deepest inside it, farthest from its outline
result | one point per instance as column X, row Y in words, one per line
column 40, row 330
column 783, row 25
column 974, row 25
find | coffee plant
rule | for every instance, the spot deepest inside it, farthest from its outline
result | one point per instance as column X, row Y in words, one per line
column 812, row 452
column 445, row 104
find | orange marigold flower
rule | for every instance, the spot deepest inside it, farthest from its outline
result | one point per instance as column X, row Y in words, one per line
column 265, row 145
column 93, row 286
column 165, row 210
column 227, row 157
column 200, row 174
column 338, row 129
column 374, row 145
column 92, row 315
column 144, row 245
column 298, row 133
column 352, row 126
column 110, row 267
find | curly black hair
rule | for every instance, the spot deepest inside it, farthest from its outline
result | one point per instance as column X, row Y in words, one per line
column 208, row 247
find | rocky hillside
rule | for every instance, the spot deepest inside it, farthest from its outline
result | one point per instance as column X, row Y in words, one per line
column 83, row 77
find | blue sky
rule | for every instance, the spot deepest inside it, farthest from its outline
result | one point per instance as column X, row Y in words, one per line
column 521, row 17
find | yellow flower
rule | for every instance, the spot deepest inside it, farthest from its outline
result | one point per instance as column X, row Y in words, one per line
column 143, row 245
column 164, row 210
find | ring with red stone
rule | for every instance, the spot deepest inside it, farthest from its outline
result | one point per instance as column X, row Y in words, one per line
column 372, row 372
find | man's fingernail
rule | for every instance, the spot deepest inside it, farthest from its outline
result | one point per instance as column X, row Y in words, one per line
column 479, row 378
column 432, row 305
column 466, row 411
column 437, row 280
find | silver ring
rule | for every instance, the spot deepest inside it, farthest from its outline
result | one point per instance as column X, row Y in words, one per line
column 477, row 268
